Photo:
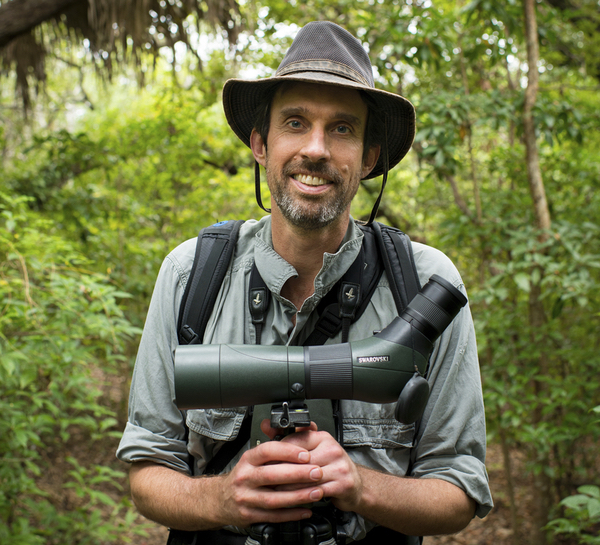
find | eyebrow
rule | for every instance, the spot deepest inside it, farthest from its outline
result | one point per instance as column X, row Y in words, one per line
column 301, row 110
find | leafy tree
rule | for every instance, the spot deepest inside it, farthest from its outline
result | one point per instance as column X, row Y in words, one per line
column 145, row 171
column 62, row 335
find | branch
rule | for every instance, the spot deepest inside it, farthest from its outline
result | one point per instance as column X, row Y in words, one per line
column 86, row 99
column 394, row 219
column 20, row 16
column 458, row 199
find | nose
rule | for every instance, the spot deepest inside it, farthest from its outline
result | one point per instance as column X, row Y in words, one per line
column 316, row 146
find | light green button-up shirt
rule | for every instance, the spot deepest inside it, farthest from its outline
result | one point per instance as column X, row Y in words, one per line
column 449, row 442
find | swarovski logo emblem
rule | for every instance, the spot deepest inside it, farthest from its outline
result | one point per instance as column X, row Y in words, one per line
column 350, row 294
column 374, row 359
column 257, row 300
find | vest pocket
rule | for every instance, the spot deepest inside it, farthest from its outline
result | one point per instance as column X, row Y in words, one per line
column 209, row 430
column 216, row 424
column 374, row 426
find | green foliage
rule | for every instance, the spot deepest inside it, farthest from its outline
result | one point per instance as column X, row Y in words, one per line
column 582, row 516
column 89, row 212
column 137, row 180
column 62, row 336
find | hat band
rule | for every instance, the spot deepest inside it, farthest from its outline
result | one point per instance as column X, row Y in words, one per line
column 324, row 66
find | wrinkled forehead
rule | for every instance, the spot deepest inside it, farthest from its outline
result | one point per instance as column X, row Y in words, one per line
column 319, row 98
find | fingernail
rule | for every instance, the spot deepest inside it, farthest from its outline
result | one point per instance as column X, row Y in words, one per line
column 304, row 457
column 316, row 474
column 315, row 495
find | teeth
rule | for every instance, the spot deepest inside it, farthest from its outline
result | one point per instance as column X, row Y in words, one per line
column 310, row 180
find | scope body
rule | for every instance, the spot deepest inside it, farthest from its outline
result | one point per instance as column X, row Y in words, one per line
column 222, row 375
column 374, row 370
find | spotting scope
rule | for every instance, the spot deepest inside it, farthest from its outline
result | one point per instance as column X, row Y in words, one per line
column 377, row 369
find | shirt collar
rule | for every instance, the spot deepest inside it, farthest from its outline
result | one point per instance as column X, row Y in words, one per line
column 276, row 271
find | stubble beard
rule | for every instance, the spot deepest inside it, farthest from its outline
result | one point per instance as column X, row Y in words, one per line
column 311, row 212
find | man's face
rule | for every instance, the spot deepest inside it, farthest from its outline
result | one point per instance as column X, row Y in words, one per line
column 314, row 155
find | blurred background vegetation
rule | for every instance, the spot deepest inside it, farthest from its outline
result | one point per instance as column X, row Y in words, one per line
column 114, row 149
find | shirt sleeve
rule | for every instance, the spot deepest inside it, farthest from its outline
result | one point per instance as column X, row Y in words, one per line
column 156, row 428
column 451, row 436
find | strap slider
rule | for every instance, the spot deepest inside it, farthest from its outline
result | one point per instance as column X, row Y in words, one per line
column 329, row 322
column 188, row 335
column 259, row 301
column 349, row 299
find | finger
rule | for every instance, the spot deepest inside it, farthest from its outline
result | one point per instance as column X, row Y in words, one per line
column 313, row 427
column 309, row 439
column 265, row 427
column 284, row 474
column 277, row 451
column 283, row 498
column 275, row 516
column 271, row 432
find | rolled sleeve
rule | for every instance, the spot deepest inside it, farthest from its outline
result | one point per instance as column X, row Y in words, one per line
column 138, row 445
column 156, row 429
column 451, row 442
column 462, row 471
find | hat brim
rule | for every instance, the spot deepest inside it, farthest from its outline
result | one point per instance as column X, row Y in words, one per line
column 241, row 99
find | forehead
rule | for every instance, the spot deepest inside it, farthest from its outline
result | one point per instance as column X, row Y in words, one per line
column 317, row 99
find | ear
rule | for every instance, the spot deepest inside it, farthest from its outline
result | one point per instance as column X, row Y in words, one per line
column 258, row 147
column 371, row 160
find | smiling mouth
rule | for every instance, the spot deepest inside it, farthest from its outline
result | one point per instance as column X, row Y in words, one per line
column 310, row 180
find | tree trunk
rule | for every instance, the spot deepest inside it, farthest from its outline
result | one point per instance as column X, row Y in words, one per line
column 534, row 175
column 510, row 485
column 537, row 315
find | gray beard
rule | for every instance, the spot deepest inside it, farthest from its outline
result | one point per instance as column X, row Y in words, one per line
column 299, row 216
column 299, row 213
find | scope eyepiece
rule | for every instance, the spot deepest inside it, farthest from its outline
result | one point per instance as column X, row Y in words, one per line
column 432, row 310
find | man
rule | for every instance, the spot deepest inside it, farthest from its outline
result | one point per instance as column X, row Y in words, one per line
column 318, row 127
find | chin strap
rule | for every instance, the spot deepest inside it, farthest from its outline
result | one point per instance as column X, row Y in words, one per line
column 386, row 167
column 257, row 187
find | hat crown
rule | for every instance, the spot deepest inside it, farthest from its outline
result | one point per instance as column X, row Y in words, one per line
column 322, row 46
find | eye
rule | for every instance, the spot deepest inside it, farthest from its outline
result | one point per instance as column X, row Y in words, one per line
column 295, row 124
column 342, row 129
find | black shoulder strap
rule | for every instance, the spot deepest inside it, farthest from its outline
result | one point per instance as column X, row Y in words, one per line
column 214, row 251
column 348, row 299
column 396, row 252
column 383, row 248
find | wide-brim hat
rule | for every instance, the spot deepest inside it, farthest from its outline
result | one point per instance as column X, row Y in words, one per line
column 325, row 53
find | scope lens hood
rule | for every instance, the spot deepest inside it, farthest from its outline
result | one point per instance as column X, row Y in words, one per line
column 453, row 298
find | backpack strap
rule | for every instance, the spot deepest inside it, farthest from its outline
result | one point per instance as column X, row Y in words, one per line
column 259, row 298
column 396, row 252
column 348, row 299
column 214, row 250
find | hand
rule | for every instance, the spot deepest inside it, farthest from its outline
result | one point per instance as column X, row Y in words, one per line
column 263, row 486
column 341, row 479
